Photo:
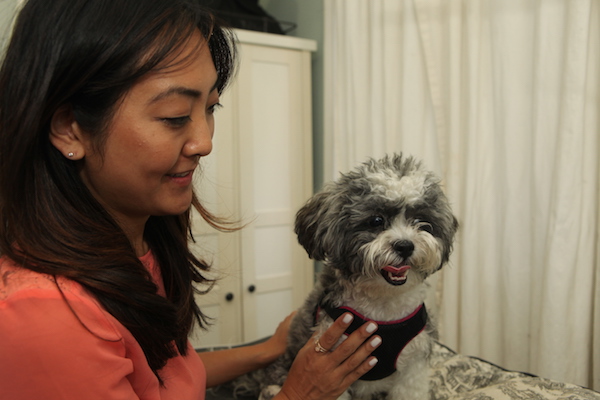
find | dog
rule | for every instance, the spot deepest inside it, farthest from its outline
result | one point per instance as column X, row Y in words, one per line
column 380, row 231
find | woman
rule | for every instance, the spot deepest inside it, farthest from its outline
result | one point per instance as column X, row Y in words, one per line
column 106, row 107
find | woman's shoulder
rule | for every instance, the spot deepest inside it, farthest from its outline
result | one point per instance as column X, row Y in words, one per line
column 15, row 279
column 39, row 299
column 54, row 330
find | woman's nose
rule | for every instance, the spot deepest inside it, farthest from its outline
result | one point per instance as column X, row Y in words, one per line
column 199, row 142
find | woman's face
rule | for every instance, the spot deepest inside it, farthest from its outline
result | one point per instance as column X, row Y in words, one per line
column 162, row 127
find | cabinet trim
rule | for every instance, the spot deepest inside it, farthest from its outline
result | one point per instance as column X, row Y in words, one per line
column 273, row 40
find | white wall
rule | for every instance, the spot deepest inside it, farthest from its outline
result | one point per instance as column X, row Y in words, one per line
column 7, row 12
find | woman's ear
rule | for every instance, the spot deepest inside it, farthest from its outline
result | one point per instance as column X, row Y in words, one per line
column 66, row 134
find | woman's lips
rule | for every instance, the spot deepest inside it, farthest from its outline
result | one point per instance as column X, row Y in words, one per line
column 181, row 178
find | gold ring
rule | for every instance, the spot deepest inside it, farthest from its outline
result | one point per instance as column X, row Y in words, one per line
column 319, row 348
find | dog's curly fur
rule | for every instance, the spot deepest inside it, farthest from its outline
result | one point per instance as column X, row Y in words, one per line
column 380, row 231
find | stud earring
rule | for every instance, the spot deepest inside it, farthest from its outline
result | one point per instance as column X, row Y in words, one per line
column 71, row 154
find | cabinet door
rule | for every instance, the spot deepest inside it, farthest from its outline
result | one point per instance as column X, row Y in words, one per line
column 217, row 187
column 275, row 180
column 259, row 173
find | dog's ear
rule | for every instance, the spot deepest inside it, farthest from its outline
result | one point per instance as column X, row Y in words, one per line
column 448, row 239
column 310, row 227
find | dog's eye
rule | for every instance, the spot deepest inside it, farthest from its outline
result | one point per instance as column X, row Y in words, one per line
column 376, row 221
column 424, row 226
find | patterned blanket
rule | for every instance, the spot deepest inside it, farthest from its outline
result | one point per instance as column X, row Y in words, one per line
column 458, row 377
column 454, row 377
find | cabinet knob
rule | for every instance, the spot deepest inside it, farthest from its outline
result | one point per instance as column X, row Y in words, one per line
column 229, row 296
column 251, row 288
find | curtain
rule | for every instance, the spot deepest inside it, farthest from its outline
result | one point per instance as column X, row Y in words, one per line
column 500, row 98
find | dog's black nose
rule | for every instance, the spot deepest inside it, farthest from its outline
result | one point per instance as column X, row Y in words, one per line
column 404, row 247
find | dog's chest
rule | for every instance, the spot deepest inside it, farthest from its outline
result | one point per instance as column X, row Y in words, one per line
column 395, row 336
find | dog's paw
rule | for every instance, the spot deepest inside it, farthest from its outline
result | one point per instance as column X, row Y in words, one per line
column 269, row 392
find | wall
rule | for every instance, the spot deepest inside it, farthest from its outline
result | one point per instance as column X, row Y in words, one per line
column 308, row 16
column 7, row 12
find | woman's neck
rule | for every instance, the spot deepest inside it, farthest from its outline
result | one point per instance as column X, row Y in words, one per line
column 134, row 230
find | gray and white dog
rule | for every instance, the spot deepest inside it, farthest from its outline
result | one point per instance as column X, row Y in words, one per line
column 380, row 231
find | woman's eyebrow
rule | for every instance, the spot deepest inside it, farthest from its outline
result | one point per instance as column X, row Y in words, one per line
column 176, row 90
column 183, row 91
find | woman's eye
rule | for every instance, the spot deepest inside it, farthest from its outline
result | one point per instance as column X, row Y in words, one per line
column 376, row 221
column 177, row 122
column 214, row 107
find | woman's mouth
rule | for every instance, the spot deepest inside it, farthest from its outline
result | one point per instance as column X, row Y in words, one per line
column 180, row 175
column 181, row 178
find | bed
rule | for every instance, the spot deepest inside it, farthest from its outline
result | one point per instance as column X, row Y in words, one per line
column 455, row 376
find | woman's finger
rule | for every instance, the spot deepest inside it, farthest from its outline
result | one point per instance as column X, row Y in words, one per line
column 323, row 371
column 360, row 362
column 352, row 356
column 333, row 334
column 349, row 346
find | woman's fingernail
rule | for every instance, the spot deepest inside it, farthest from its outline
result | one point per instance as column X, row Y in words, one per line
column 347, row 318
column 371, row 327
column 376, row 341
column 373, row 361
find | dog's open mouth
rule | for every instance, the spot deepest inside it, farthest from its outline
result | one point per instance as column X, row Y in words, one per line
column 395, row 275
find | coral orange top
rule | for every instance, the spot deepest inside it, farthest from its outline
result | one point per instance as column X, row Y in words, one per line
column 47, row 353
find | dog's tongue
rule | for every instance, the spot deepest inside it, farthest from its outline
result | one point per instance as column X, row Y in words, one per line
column 397, row 273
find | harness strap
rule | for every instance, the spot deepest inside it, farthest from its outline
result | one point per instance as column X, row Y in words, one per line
column 395, row 336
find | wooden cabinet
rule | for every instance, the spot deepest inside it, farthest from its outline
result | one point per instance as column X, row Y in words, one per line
column 260, row 173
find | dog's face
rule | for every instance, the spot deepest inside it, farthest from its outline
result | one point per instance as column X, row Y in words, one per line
column 388, row 222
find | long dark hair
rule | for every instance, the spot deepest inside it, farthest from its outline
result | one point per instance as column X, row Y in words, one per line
column 88, row 54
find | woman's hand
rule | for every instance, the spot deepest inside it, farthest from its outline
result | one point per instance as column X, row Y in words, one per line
column 225, row 365
column 316, row 375
column 277, row 343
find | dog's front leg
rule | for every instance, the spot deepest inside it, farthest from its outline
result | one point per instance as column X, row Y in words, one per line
column 345, row 396
column 412, row 383
column 269, row 392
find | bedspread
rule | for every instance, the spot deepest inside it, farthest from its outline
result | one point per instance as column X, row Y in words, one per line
column 455, row 376
column 458, row 377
